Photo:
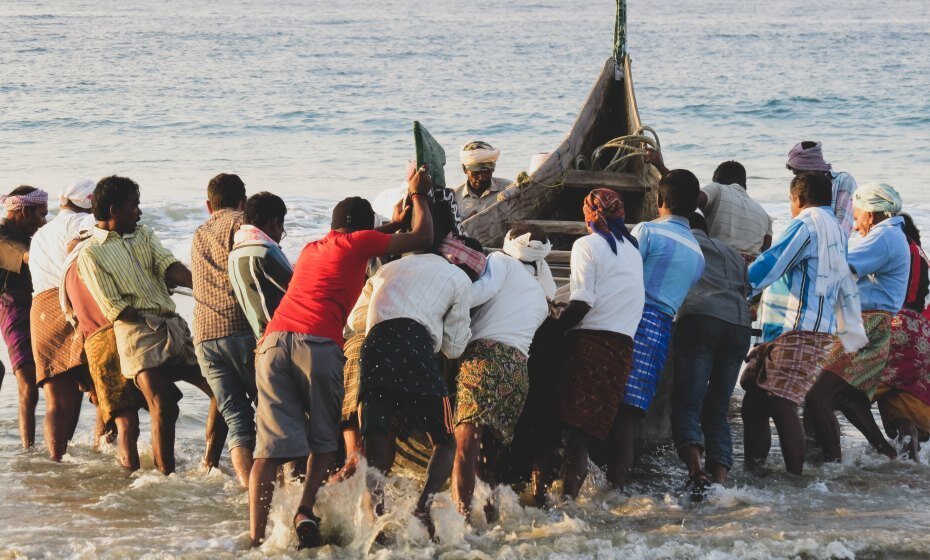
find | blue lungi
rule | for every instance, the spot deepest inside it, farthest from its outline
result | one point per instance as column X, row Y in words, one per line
column 650, row 350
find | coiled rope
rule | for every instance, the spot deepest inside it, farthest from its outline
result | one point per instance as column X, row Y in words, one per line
column 627, row 147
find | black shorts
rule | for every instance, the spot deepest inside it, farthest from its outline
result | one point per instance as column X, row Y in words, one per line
column 397, row 413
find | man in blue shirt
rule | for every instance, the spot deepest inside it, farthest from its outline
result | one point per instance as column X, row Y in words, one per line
column 802, row 275
column 672, row 264
column 881, row 260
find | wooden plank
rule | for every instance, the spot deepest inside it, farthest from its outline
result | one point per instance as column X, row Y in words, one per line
column 563, row 271
column 559, row 226
column 624, row 182
column 559, row 257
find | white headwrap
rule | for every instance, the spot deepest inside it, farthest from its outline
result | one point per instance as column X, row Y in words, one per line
column 527, row 251
column 877, row 197
column 79, row 193
column 478, row 155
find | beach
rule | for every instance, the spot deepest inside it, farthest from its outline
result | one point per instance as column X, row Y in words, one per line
column 315, row 102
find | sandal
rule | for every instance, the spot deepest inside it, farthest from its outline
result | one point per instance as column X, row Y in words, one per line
column 308, row 530
column 700, row 484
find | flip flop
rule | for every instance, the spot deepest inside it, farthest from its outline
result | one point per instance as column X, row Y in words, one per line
column 700, row 484
column 308, row 530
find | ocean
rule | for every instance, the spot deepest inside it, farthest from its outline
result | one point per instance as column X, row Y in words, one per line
column 315, row 101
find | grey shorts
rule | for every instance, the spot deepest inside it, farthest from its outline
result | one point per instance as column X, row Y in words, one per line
column 300, row 392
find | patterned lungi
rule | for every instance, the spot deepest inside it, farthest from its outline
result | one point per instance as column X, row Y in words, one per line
column 894, row 404
column 114, row 391
column 788, row 366
column 650, row 350
column 56, row 345
column 491, row 387
column 909, row 361
column 14, row 324
column 398, row 354
column 863, row 369
column 352, row 350
column 597, row 364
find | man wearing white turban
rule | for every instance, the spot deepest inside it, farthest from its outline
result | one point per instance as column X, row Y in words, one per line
column 880, row 258
column 56, row 345
column 480, row 188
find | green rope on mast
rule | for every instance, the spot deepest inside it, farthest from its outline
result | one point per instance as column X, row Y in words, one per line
column 620, row 32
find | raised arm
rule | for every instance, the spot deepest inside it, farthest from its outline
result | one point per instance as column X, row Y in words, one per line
column 491, row 282
column 420, row 236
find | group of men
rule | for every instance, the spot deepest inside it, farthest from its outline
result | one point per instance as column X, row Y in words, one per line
column 389, row 326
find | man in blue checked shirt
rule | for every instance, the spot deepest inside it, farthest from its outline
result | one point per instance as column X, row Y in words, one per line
column 672, row 264
column 802, row 275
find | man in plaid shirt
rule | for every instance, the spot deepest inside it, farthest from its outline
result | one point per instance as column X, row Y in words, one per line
column 223, row 339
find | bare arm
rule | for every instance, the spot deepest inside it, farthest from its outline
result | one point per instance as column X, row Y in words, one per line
column 573, row 314
column 420, row 237
column 655, row 158
column 179, row 275
column 766, row 243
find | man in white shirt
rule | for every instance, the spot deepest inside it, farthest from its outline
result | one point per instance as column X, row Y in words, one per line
column 605, row 308
column 508, row 306
column 56, row 345
column 417, row 306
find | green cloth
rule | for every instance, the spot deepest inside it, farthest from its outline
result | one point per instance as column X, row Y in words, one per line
column 431, row 153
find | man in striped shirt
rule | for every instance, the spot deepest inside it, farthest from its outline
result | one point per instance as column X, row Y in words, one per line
column 258, row 269
column 798, row 321
column 127, row 270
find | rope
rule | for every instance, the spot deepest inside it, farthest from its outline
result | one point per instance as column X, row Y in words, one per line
column 627, row 147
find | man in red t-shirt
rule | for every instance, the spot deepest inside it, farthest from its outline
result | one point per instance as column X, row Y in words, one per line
column 299, row 361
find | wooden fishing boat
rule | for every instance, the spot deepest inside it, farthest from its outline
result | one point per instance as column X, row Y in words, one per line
column 603, row 150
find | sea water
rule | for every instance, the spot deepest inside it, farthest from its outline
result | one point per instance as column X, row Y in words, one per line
column 315, row 101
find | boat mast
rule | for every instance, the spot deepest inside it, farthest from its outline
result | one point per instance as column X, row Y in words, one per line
column 620, row 39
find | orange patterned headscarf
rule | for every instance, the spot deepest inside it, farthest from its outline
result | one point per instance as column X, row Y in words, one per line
column 604, row 212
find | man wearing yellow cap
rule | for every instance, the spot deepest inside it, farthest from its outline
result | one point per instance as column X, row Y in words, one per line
column 480, row 189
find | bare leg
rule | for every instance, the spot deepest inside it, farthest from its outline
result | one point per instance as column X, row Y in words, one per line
column 318, row 467
column 261, row 490
column 576, row 463
column 62, row 404
column 541, row 476
column 216, row 427
column 379, row 450
column 790, row 433
column 28, row 399
column 818, row 407
column 437, row 474
column 127, row 437
column 241, row 458
column 623, row 438
column 690, row 455
column 464, row 470
column 163, row 410
column 757, row 434
column 488, row 459
column 100, row 428
column 857, row 408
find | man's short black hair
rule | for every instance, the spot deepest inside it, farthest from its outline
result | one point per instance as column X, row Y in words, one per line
column 812, row 188
column 264, row 208
column 226, row 190
column 112, row 191
column 697, row 221
column 536, row 233
column 21, row 190
column 472, row 243
column 910, row 228
column 353, row 213
column 730, row 173
column 678, row 191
